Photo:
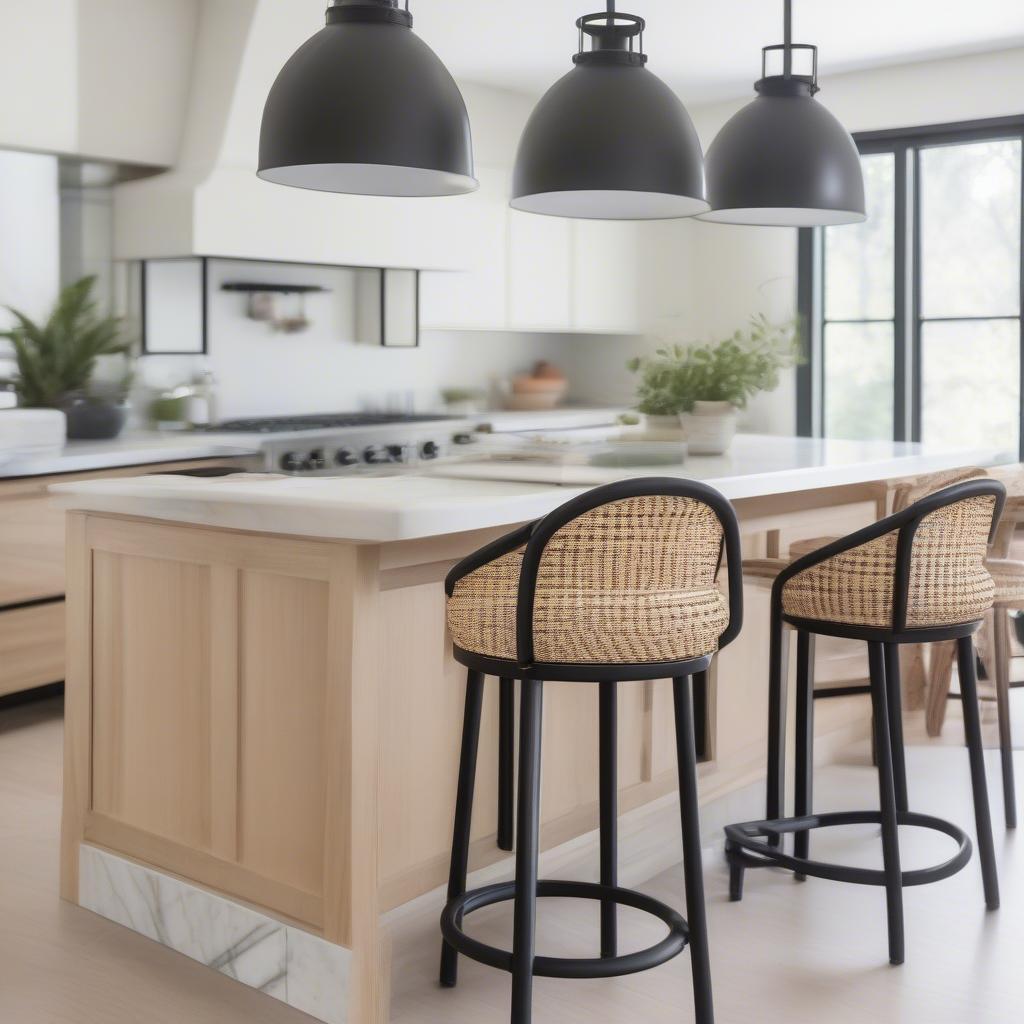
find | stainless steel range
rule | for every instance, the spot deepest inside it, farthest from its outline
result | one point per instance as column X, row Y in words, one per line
column 337, row 444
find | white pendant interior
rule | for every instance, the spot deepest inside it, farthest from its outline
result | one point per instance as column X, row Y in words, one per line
column 371, row 179
column 608, row 204
column 783, row 217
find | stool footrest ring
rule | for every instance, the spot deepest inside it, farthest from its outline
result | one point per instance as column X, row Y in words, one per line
column 750, row 845
column 564, row 967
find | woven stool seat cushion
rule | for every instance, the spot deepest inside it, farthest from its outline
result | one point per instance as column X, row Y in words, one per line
column 1008, row 577
column 948, row 580
column 631, row 581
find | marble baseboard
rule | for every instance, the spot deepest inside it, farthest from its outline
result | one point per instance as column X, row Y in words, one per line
column 286, row 963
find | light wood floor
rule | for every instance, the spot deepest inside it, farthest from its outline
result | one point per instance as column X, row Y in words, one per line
column 799, row 953
column 60, row 964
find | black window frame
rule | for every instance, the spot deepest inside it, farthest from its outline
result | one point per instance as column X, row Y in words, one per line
column 906, row 145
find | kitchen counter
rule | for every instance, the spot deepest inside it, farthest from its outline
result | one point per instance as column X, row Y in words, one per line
column 142, row 447
column 134, row 448
column 466, row 496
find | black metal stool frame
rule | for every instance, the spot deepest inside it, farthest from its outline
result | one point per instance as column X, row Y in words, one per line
column 760, row 843
column 521, row 961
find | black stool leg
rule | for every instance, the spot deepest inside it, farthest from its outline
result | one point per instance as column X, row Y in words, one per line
column 506, row 761
column 887, row 799
column 700, row 713
column 525, row 913
column 778, row 670
column 609, row 811
column 463, row 812
column 696, row 914
column 972, row 729
column 1001, row 660
column 894, row 697
column 803, row 784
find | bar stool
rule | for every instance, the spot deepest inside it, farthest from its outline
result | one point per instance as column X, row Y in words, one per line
column 616, row 585
column 899, row 497
column 1008, row 575
column 915, row 577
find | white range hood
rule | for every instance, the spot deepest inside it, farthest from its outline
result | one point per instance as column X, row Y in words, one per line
column 212, row 203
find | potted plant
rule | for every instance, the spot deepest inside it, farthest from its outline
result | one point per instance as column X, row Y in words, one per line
column 56, row 362
column 657, row 397
column 704, row 385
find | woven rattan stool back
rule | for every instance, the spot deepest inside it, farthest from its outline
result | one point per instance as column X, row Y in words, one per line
column 624, row 574
column 631, row 581
column 921, row 567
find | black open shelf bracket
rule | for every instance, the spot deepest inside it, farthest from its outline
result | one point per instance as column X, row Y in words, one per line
column 284, row 289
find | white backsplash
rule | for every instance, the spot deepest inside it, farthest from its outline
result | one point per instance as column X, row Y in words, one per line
column 323, row 369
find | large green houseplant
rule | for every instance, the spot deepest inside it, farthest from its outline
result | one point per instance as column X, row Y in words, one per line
column 704, row 385
column 56, row 360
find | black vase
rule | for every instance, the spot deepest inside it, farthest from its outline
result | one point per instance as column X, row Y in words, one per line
column 91, row 419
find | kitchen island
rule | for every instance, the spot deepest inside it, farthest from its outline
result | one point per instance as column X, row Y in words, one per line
column 263, row 715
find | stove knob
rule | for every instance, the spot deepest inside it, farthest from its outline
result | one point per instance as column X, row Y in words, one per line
column 317, row 459
column 429, row 450
column 372, row 455
column 345, row 457
column 291, row 462
column 396, row 453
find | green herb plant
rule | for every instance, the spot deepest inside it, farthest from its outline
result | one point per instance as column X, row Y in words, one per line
column 57, row 359
column 732, row 370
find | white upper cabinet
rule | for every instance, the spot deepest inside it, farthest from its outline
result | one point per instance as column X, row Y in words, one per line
column 539, row 272
column 473, row 298
column 524, row 272
column 605, row 282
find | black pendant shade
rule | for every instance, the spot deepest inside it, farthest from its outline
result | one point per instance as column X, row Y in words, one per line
column 366, row 107
column 784, row 159
column 610, row 140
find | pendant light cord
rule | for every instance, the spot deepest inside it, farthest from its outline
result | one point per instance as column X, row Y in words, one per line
column 787, row 52
column 611, row 12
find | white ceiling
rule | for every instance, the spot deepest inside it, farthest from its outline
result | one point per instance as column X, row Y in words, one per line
column 710, row 50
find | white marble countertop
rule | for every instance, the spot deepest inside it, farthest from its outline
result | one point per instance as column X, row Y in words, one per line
column 132, row 448
column 407, row 506
column 141, row 447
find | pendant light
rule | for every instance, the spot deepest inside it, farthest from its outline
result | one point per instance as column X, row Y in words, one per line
column 784, row 159
column 366, row 107
column 609, row 140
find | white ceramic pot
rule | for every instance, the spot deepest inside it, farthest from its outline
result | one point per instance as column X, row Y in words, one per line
column 26, row 432
column 710, row 428
column 662, row 428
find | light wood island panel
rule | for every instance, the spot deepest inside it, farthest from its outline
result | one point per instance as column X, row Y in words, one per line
column 278, row 719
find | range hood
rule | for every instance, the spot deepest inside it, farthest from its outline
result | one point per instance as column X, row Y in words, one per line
column 212, row 203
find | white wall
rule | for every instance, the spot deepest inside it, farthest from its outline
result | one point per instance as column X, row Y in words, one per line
column 213, row 202
column 325, row 368
column 714, row 277
column 38, row 75
column 700, row 281
column 134, row 64
column 98, row 78
column 30, row 229
column 740, row 271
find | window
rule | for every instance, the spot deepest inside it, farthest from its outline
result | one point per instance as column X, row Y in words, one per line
column 914, row 316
